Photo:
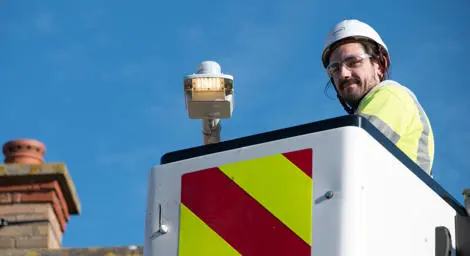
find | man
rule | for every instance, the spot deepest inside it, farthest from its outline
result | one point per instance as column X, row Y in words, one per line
column 357, row 62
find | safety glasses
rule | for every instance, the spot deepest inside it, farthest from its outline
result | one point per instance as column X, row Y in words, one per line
column 350, row 62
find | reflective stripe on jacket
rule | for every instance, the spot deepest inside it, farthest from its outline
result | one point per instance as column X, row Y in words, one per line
column 396, row 112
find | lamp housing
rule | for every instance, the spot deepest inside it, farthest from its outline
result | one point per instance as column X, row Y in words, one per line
column 208, row 92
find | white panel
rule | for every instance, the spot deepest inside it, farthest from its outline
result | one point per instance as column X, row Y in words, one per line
column 375, row 196
column 400, row 211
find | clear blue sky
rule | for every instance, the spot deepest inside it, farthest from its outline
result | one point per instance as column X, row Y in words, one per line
column 100, row 83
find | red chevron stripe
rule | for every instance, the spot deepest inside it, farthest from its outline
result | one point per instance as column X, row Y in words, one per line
column 302, row 159
column 234, row 215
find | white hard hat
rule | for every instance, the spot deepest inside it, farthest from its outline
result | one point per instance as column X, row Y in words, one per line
column 350, row 28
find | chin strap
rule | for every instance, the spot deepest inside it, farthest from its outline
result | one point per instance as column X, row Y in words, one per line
column 346, row 107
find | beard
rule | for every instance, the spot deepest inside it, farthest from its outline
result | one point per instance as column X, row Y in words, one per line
column 353, row 89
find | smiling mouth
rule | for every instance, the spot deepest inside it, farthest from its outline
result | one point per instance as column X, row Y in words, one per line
column 349, row 85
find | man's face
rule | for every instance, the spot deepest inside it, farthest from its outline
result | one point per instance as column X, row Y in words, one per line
column 353, row 72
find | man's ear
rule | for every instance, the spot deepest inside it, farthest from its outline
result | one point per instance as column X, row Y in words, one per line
column 383, row 67
column 380, row 71
column 380, row 68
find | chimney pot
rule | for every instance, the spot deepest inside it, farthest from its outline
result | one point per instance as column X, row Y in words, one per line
column 24, row 151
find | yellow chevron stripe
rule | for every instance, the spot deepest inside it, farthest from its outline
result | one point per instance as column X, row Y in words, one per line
column 281, row 187
column 196, row 238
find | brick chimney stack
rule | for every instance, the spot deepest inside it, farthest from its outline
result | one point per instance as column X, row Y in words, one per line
column 36, row 198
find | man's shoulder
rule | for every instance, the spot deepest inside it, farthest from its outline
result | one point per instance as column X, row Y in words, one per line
column 388, row 94
column 393, row 88
column 390, row 85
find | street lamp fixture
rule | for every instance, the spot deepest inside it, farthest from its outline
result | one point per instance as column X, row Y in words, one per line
column 209, row 96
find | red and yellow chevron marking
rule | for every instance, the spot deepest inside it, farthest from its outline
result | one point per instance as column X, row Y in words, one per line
column 261, row 206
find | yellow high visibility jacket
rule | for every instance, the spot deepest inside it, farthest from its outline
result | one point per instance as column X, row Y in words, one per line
column 396, row 112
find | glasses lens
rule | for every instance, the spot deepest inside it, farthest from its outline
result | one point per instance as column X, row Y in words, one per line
column 332, row 68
